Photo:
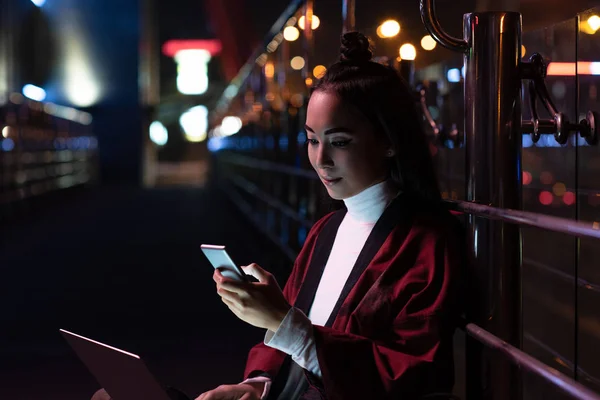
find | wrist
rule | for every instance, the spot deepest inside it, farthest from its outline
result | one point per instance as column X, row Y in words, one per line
column 279, row 317
column 258, row 388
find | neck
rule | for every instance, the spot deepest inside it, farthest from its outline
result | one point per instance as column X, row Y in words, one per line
column 368, row 205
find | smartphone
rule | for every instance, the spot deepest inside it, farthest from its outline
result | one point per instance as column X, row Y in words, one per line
column 218, row 257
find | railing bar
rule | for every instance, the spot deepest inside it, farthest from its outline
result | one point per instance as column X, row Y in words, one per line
column 556, row 224
column 580, row 282
column 581, row 372
column 247, row 209
column 548, row 349
column 240, row 79
column 518, row 357
column 269, row 166
column 261, row 195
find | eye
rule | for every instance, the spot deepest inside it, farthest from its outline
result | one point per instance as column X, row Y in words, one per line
column 341, row 143
column 311, row 141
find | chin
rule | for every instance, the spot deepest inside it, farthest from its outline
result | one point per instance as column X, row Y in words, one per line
column 337, row 194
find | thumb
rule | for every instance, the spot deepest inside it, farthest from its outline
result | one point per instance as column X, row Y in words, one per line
column 256, row 271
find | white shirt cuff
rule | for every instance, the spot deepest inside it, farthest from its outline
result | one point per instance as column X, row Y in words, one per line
column 264, row 380
column 295, row 337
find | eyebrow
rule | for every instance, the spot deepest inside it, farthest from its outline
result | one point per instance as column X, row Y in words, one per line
column 331, row 130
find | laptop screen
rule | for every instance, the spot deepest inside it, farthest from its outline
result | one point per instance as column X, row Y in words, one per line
column 123, row 375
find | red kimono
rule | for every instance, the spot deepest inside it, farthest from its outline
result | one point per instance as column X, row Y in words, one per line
column 390, row 333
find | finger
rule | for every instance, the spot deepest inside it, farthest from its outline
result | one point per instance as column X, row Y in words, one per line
column 234, row 286
column 217, row 275
column 248, row 396
column 256, row 271
column 229, row 296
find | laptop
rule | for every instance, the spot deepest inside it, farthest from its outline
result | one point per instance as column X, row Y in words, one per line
column 123, row 375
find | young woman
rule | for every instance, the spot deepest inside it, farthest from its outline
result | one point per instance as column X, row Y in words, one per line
column 370, row 308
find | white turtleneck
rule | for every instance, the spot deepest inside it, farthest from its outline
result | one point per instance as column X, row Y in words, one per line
column 294, row 336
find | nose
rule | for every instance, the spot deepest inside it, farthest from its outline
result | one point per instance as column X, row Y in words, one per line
column 323, row 158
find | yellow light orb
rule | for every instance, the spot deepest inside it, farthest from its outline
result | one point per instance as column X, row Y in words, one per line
column 594, row 22
column 428, row 43
column 319, row 71
column 308, row 81
column 291, row 33
column 269, row 70
column 408, row 52
column 315, row 22
column 389, row 28
column 297, row 63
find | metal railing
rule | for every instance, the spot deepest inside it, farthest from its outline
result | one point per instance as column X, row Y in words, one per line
column 44, row 148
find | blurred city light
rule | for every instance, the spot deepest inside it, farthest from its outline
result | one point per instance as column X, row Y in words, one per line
column 315, row 22
column 159, row 133
column 319, row 71
column 428, row 43
column 192, row 71
column 269, row 70
column 297, row 63
column 34, row 92
column 194, row 123
column 594, row 22
column 291, row 33
column 83, row 87
column 230, row 126
column 453, row 75
column 39, row 3
column 408, row 52
column 388, row 29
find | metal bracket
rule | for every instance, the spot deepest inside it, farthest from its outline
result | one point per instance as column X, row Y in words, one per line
column 535, row 71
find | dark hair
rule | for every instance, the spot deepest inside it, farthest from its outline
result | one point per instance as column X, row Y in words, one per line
column 386, row 100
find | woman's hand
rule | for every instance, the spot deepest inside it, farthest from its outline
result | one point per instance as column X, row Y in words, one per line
column 242, row 391
column 261, row 304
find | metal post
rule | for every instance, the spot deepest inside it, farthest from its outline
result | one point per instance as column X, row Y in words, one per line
column 493, row 154
column 348, row 15
column 492, row 53
column 308, row 38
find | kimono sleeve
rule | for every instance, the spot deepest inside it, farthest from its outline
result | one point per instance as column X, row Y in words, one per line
column 264, row 360
column 418, row 351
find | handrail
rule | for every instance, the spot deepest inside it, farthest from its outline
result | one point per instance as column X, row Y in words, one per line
column 556, row 224
column 581, row 373
column 240, row 79
column 264, row 165
column 270, row 200
column 531, row 364
column 432, row 24
column 247, row 209
column 582, row 283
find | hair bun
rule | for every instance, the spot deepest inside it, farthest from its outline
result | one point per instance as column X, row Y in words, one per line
column 355, row 47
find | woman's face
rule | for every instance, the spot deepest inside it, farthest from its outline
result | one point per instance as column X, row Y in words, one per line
column 343, row 147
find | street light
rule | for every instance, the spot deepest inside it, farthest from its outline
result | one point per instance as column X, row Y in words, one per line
column 291, row 33
column 594, row 22
column 388, row 29
column 428, row 43
column 408, row 52
column 315, row 22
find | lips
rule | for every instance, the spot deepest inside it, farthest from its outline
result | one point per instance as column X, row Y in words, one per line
column 330, row 181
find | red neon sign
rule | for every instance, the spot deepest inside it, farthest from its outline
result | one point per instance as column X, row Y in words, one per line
column 172, row 47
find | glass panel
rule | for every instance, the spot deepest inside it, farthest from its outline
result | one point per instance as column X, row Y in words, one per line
column 588, row 202
column 549, row 183
column 443, row 85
